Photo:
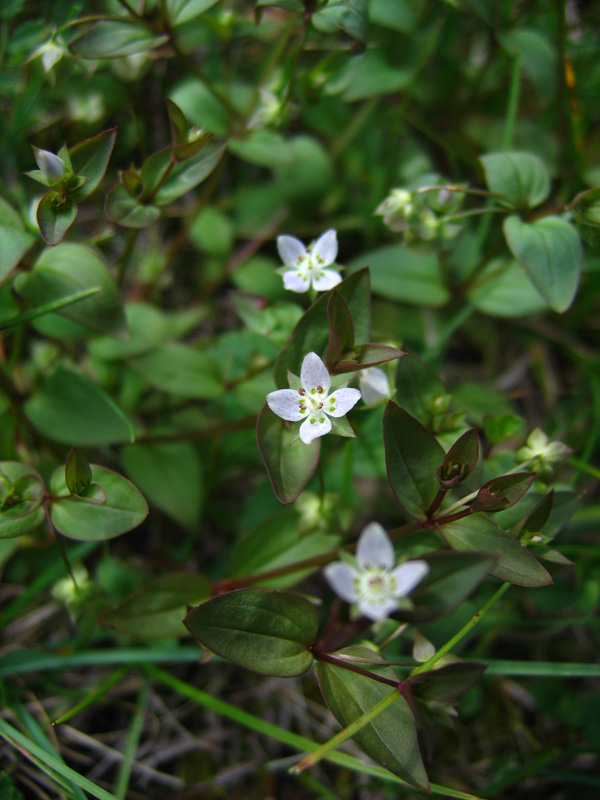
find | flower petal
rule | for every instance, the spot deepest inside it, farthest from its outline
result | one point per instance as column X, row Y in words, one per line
column 326, row 248
column 374, row 385
column 290, row 249
column 377, row 610
column 286, row 404
column 310, row 429
column 313, row 374
column 328, row 278
column 374, row 548
column 408, row 575
column 342, row 579
column 339, row 403
column 296, row 281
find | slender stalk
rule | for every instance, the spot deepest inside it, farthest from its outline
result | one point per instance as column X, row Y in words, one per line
column 464, row 631
column 131, row 745
column 513, row 103
column 338, row 662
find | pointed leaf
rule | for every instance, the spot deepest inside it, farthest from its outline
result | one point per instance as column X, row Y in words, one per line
column 290, row 464
column 55, row 215
column 550, row 252
column 157, row 610
column 502, row 492
column 113, row 38
column 78, row 518
column 447, row 681
column 417, row 386
column 186, row 175
column 350, row 16
column 341, row 328
column 127, row 211
column 391, row 737
column 368, row 355
column 78, row 473
column 264, row 630
column 460, row 460
column 311, row 333
column 534, row 520
column 520, row 178
column 412, row 455
column 90, row 160
column 14, row 241
column 514, row 563
column 181, row 11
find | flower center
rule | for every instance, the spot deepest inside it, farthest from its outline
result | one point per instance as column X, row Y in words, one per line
column 311, row 400
column 375, row 585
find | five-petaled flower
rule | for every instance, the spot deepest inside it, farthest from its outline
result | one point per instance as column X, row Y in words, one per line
column 307, row 266
column 375, row 585
column 312, row 402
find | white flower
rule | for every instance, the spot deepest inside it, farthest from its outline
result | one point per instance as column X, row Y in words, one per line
column 543, row 453
column 376, row 585
column 306, row 266
column 374, row 386
column 312, row 402
column 51, row 165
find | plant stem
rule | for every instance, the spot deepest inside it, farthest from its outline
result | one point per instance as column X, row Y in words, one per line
column 461, row 633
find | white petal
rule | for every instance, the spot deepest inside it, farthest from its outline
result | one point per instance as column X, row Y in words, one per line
column 342, row 579
column 313, row 374
column 378, row 610
column 328, row 278
column 326, row 247
column 312, row 430
column 296, row 281
column 408, row 575
column 374, row 386
column 339, row 403
column 51, row 165
column 286, row 404
column 290, row 249
column 375, row 548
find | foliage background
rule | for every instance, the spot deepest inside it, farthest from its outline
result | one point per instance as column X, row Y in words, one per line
column 438, row 85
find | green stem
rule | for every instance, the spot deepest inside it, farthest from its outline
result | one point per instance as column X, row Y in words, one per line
column 513, row 104
column 464, row 631
column 133, row 739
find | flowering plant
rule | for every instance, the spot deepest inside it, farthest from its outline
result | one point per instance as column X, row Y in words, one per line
column 307, row 267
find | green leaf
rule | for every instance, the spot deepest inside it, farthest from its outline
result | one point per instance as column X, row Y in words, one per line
column 69, row 408
column 522, row 179
column 452, row 577
column 504, row 290
column 276, row 543
column 22, row 491
column 79, row 518
column 502, row 492
column 550, row 252
column 267, row 148
column 264, row 630
column 397, row 15
column 539, row 59
column 180, row 370
column 371, row 76
column 412, row 456
column 181, row 11
column 391, row 737
column 447, row 681
column 78, row 473
column 156, row 610
column 534, row 520
column 398, row 273
column 368, row 355
column 170, row 475
column 289, row 462
column 112, row 38
column 418, row 387
column 90, row 160
column 514, row 563
column 154, row 169
column 55, row 215
column 128, row 211
column 350, row 16
column 66, row 270
column 148, row 328
column 460, row 460
column 311, row 334
column 178, row 123
column 14, row 241
column 341, row 328
column 187, row 174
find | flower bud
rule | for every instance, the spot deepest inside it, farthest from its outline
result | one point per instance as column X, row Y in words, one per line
column 52, row 167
